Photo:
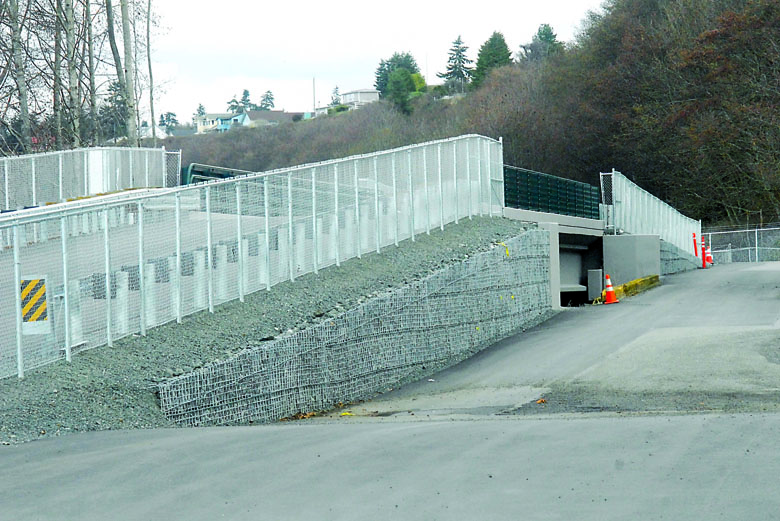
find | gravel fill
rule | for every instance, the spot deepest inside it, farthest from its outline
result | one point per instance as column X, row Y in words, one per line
column 583, row 398
column 114, row 387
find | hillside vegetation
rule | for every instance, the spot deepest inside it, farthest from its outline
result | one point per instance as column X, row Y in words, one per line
column 682, row 96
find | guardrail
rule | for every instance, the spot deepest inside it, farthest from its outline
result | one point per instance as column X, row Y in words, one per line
column 84, row 274
column 627, row 208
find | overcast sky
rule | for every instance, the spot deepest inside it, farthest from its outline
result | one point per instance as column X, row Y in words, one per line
column 207, row 51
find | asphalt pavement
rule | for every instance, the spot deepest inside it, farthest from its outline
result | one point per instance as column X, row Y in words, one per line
column 661, row 407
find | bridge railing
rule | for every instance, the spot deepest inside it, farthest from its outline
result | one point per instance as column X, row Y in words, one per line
column 627, row 208
column 39, row 179
column 82, row 274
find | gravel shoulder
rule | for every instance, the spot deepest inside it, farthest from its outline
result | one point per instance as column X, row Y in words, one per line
column 114, row 387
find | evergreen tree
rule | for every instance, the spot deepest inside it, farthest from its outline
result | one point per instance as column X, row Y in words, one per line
column 267, row 102
column 112, row 115
column 335, row 97
column 246, row 103
column 234, row 106
column 386, row 68
column 400, row 86
column 544, row 43
column 493, row 53
column 459, row 70
column 200, row 111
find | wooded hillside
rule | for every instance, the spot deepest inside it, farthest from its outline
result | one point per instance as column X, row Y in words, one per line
column 683, row 96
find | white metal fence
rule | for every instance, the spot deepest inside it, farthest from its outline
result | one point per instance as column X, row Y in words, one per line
column 629, row 208
column 745, row 245
column 84, row 274
column 40, row 179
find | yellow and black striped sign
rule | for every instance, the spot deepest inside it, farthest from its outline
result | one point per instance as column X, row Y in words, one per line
column 34, row 307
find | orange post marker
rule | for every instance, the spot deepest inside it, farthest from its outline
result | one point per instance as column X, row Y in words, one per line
column 695, row 246
column 703, row 254
column 611, row 298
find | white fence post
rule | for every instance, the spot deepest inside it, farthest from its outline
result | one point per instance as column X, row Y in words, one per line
column 290, row 238
column 141, row 269
column 468, row 177
column 757, row 259
column 337, row 232
column 240, row 245
column 490, row 179
column 441, row 187
column 377, row 213
column 267, row 236
column 395, row 198
column 427, row 195
column 18, row 303
column 66, row 285
column 357, row 213
column 34, row 182
column 411, row 193
column 107, row 258
column 177, row 281
column 455, row 178
column 314, row 230
column 86, row 172
column 480, row 199
column 5, row 182
column 59, row 171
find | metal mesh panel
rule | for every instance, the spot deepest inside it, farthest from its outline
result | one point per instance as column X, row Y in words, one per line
column 39, row 179
column 193, row 240
column 751, row 245
column 175, row 252
column 635, row 211
column 407, row 333
column 172, row 169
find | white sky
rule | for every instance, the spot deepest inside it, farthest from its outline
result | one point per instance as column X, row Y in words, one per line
column 207, row 51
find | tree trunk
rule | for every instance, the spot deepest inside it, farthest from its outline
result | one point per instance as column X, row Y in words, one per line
column 57, row 72
column 132, row 129
column 151, row 77
column 120, row 72
column 94, row 135
column 73, row 79
column 21, row 80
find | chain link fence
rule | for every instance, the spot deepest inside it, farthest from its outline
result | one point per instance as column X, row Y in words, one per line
column 745, row 245
column 83, row 274
column 627, row 208
column 403, row 335
column 41, row 179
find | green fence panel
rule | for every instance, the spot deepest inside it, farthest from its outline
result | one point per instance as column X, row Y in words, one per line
column 529, row 190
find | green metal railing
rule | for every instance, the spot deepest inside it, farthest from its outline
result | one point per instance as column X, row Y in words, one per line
column 529, row 190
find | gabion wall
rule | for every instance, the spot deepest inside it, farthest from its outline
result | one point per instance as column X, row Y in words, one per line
column 675, row 260
column 406, row 334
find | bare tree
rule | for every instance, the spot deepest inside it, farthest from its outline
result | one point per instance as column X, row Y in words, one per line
column 94, row 132
column 149, row 62
column 132, row 128
column 73, row 82
column 19, row 74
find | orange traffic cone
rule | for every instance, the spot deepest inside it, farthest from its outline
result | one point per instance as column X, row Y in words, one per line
column 709, row 257
column 611, row 298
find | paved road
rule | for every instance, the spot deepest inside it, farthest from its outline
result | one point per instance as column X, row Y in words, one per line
column 474, row 444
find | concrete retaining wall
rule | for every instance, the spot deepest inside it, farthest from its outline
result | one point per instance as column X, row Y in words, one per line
column 675, row 260
column 404, row 335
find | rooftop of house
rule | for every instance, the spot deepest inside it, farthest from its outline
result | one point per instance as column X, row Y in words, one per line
column 272, row 116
